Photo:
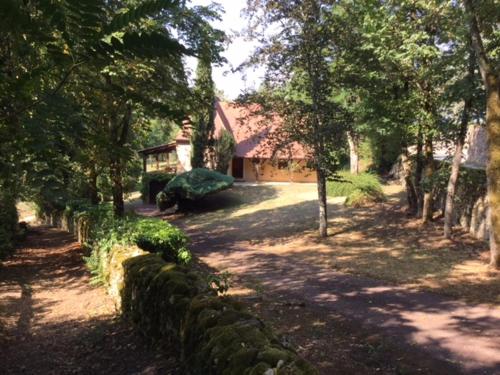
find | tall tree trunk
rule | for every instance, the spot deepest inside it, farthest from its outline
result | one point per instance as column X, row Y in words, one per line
column 353, row 140
column 493, row 168
column 419, row 167
column 491, row 80
column 457, row 157
column 427, row 209
column 411, row 194
column 94, row 198
column 117, row 188
column 323, row 218
column 451, row 188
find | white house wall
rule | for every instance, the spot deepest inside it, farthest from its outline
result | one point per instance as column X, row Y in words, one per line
column 184, row 156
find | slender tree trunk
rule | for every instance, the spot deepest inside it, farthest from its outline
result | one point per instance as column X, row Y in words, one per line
column 419, row 167
column 411, row 194
column 117, row 188
column 353, row 140
column 450, row 190
column 94, row 198
column 323, row 218
column 427, row 209
column 457, row 157
column 491, row 80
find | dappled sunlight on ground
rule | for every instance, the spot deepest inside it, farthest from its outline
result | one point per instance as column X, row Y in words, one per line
column 374, row 268
column 378, row 241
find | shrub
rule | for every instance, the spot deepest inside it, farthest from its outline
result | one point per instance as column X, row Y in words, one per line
column 359, row 190
column 157, row 236
column 364, row 196
column 193, row 185
column 157, row 180
column 347, row 183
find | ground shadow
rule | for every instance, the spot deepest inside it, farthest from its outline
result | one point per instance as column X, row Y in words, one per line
column 275, row 249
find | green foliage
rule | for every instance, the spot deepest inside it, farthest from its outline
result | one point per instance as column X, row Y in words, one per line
column 223, row 151
column 203, row 116
column 219, row 283
column 103, row 231
column 347, row 183
column 471, row 186
column 157, row 236
column 364, row 196
column 162, row 178
column 193, row 185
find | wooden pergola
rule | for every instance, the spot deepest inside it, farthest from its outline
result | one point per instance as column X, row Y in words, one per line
column 155, row 152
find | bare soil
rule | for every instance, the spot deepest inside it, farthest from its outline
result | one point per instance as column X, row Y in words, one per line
column 381, row 294
column 52, row 321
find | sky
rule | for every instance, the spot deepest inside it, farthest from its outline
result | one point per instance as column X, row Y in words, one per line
column 232, row 84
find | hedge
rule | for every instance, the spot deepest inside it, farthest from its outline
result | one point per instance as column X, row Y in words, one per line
column 215, row 334
column 96, row 227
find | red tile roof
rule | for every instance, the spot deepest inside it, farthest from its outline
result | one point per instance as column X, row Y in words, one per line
column 251, row 132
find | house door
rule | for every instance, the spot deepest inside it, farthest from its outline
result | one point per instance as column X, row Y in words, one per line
column 237, row 168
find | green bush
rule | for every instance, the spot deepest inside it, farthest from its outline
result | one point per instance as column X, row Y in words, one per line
column 162, row 178
column 157, row 236
column 347, row 183
column 103, row 231
column 359, row 190
column 364, row 196
column 8, row 223
column 193, row 185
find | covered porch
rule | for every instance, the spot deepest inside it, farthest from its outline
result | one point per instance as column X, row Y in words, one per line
column 162, row 158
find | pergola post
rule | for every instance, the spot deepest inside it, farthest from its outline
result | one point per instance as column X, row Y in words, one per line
column 144, row 163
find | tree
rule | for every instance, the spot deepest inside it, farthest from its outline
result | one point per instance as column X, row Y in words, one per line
column 203, row 111
column 300, row 84
column 223, row 151
column 485, row 41
column 105, row 61
column 465, row 90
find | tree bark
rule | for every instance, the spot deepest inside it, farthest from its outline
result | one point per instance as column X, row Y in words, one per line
column 323, row 218
column 419, row 167
column 457, row 157
column 411, row 194
column 427, row 208
column 353, row 140
column 117, row 188
column 493, row 166
column 491, row 80
column 93, row 193
column 451, row 188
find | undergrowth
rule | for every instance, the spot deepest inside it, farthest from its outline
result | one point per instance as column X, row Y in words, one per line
column 358, row 189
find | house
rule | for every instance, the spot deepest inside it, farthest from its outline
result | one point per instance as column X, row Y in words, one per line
column 253, row 160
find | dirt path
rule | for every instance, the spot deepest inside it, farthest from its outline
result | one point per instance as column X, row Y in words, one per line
column 53, row 322
column 445, row 329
